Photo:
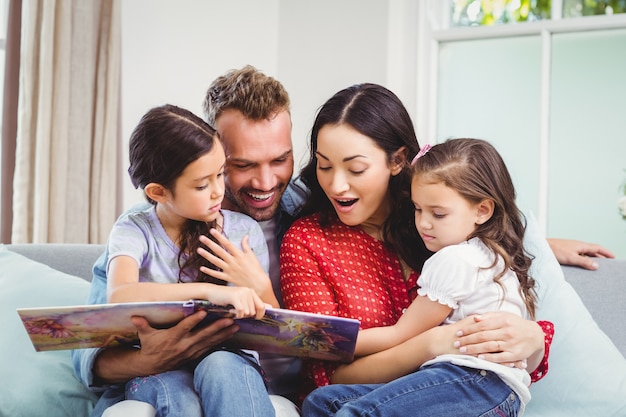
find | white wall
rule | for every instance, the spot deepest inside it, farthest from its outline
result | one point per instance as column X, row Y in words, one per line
column 171, row 51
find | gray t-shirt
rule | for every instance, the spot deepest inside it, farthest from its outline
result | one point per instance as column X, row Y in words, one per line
column 140, row 235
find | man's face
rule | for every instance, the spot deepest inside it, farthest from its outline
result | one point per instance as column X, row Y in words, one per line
column 259, row 162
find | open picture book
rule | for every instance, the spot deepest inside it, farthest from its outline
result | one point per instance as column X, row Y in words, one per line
column 287, row 332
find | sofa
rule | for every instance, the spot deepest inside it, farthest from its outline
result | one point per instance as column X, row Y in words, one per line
column 587, row 375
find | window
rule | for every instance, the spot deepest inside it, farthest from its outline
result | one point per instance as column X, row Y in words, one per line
column 547, row 94
column 491, row 12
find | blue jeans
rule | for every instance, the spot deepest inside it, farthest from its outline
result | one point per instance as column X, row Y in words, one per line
column 222, row 384
column 440, row 389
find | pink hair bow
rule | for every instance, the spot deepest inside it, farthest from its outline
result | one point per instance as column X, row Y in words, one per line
column 421, row 153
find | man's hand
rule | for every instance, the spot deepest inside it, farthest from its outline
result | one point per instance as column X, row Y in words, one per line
column 577, row 253
column 501, row 337
column 162, row 349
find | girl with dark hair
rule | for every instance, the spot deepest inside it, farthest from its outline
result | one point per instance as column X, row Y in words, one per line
column 178, row 161
column 465, row 211
column 356, row 253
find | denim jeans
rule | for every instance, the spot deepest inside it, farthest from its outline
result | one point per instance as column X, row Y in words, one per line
column 222, row 384
column 441, row 389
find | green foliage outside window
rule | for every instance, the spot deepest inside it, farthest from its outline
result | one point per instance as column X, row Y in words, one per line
column 491, row 12
column 577, row 8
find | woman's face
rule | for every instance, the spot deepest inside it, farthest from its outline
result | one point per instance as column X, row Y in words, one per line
column 354, row 174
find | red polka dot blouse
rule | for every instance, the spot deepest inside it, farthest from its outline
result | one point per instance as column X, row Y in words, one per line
column 342, row 271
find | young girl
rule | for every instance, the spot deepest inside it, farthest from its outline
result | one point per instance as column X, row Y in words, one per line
column 178, row 161
column 465, row 211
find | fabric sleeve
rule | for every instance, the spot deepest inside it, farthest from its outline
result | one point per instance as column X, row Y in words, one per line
column 303, row 282
column 126, row 239
column 449, row 276
column 542, row 369
column 305, row 288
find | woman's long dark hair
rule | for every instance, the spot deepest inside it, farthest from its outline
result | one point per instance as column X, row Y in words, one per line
column 166, row 140
column 377, row 113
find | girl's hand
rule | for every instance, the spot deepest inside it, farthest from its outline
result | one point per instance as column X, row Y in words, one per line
column 239, row 267
column 501, row 337
column 245, row 302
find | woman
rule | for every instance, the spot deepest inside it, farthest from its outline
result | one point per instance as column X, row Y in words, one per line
column 355, row 251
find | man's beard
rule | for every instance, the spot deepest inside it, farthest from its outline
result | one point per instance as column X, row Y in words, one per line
column 240, row 202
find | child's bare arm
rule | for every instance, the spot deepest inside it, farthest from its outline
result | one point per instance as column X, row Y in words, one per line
column 422, row 314
column 123, row 285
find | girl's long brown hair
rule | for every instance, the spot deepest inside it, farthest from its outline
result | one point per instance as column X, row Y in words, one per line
column 475, row 169
column 166, row 140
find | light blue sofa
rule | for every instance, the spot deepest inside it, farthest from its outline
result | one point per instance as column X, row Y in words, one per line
column 36, row 384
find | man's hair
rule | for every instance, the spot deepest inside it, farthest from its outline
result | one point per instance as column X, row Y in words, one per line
column 256, row 95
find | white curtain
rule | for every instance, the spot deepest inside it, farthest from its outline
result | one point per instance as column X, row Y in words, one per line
column 65, row 181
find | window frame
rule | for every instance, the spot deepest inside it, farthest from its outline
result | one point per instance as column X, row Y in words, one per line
column 434, row 30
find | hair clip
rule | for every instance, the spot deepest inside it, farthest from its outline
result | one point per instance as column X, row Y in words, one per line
column 421, row 153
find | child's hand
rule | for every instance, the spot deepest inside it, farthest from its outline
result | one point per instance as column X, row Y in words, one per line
column 245, row 302
column 239, row 267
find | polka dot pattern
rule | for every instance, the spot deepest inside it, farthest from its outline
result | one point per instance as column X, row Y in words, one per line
column 542, row 369
column 341, row 271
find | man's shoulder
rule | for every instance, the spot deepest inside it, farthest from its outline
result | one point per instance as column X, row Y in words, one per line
column 294, row 196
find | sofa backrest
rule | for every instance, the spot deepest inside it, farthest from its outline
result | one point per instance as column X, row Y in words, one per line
column 72, row 258
column 602, row 291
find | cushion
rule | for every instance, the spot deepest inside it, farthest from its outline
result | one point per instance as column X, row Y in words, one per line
column 37, row 383
column 587, row 373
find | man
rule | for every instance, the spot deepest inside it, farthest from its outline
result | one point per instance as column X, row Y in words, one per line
column 251, row 113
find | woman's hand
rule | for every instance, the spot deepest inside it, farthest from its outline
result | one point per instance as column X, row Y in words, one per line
column 577, row 253
column 501, row 337
column 239, row 267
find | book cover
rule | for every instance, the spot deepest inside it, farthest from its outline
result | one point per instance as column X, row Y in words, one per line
column 287, row 332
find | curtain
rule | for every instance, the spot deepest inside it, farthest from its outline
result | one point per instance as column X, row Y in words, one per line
column 9, row 116
column 66, row 173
